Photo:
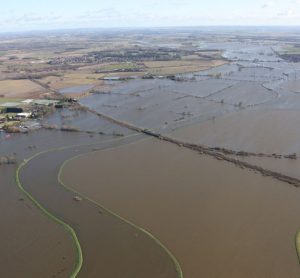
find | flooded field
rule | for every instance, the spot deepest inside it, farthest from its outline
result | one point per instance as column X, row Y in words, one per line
column 48, row 245
column 125, row 250
column 76, row 89
column 218, row 220
column 293, row 86
column 289, row 167
column 133, row 206
column 83, row 121
column 245, row 94
column 266, row 131
column 168, row 105
column 30, row 243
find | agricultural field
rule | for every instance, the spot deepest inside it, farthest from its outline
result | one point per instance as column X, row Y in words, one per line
column 20, row 89
column 181, row 66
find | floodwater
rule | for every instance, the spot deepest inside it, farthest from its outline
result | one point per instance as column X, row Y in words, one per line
column 288, row 167
column 245, row 94
column 111, row 247
column 163, row 107
column 267, row 131
column 293, row 86
column 31, row 244
column 76, row 89
column 217, row 219
column 83, row 121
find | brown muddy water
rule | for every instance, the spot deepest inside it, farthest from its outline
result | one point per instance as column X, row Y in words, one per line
column 292, row 86
column 288, row 167
column 34, row 246
column 266, row 131
column 31, row 244
column 111, row 247
column 217, row 219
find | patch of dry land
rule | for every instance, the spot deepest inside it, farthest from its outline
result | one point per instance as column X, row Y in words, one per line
column 217, row 219
column 71, row 79
column 180, row 66
column 20, row 89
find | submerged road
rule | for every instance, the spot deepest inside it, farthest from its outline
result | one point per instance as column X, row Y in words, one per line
column 106, row 244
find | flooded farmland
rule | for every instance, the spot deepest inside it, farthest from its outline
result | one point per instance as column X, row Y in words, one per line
column 235, row 131
column 116, row 242
column 205, row 211
column 76, row 89
column 33, row 243
column 193, row 174
column 125, row 251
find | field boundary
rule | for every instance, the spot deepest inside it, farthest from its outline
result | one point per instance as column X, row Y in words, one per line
column 57, row 220
column 297, row 244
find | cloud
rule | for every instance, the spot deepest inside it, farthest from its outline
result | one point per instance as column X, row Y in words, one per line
column 108, row 13
column 269, row 5
column 156, row 13
column 29, row 19
column 291, row 13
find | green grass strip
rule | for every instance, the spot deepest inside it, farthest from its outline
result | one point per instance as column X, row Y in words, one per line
column 155, row 239
column 297, row 244
column 66, row 226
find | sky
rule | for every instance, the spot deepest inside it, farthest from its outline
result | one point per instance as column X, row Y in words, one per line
column 24, row 15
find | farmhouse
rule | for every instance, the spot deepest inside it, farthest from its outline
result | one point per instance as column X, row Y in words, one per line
column 23, row 115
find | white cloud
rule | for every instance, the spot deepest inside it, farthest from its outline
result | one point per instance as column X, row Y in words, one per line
column 269, row 5
column 158, row 13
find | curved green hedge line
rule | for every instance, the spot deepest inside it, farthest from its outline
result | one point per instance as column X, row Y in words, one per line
column 297, row 244
column 52, row 217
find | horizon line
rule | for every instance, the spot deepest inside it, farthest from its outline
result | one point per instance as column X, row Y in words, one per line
column 148, row 28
